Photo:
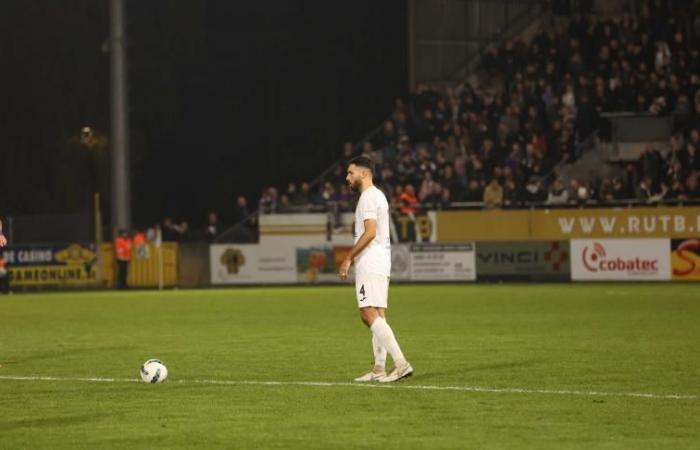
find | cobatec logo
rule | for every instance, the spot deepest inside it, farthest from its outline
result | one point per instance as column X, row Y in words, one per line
column 596, row 260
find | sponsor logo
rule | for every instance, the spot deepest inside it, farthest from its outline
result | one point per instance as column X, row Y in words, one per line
column 233, row 260
column 686, row 252
column 553, row 258
column 595, row 259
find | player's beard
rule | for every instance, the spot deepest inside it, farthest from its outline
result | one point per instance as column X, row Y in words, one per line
column 355, row 185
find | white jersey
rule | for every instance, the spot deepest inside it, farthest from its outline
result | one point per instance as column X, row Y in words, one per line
column 376, row 257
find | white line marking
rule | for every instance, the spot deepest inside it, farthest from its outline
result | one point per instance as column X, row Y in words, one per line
column 401, row 385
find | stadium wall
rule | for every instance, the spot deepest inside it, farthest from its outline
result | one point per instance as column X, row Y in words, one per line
column 650, row 244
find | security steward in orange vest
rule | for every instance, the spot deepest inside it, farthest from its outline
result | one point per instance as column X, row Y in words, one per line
column 122, row 247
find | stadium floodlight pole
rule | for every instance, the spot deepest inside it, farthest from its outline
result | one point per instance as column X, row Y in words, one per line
column 121, row 192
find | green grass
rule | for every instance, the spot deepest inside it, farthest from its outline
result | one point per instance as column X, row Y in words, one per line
column 608, row 338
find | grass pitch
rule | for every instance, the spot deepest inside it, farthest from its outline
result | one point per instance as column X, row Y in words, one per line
column 497, row 366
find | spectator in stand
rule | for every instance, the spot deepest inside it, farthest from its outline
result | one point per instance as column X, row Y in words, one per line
column 493, row 195
column 406, row 168
column 343, row 198
column 474, row 192
column 292, row 194
column 434, row 198
column 395, row 202
column 511, row 193
column 445, row 199
column 348, row 153
column 171, row 231
column 326, row 194
column 284, row 206
column 606, row 193
column 649, row 191
column 454, row 186
column 692, row 187
column 268, row 201
column 303, row 199
column 389, row 136
column 184, row 234
column 558, row 195
column 676, row 191
column 242, row 221
column 618, row 189
column 427, row 187
column 408, row 200
column 534, row 191
column 213, row 228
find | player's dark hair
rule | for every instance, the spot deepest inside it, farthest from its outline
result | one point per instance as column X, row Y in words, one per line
column 363, row 161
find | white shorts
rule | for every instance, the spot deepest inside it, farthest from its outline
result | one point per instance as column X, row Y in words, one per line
column 372, row 290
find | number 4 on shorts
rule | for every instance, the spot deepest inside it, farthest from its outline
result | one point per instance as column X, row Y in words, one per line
column 362, row 291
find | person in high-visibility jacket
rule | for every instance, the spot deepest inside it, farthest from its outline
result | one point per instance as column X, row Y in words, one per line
column 122, row 247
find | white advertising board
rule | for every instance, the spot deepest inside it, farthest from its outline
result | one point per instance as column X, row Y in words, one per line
column 620, row 259
column 443, row 262
column 252, row 264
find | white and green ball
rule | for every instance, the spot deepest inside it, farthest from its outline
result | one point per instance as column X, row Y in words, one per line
column 154, row 371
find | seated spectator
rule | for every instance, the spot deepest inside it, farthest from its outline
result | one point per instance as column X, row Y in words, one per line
column 618, row 190
column 474, row 192
column 427, row 187
column 452, row 184
column 558, row 195
column 534, row 191
column 676, row 191
column 692, row 187
column 605, row 193
column 434, row 198
column 493, row 195
column 268, row 201
column 651, row 192
column 343, row 198
column 511, row 193
column 326, row 194
column 408, row 200
column 303, row 197
column 284, row 206
column 445, row 199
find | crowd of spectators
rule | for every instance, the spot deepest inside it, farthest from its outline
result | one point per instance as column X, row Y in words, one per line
column 538, row 107
column 498, row 146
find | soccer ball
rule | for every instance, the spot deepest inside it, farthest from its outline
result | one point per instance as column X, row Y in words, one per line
column 154, row 371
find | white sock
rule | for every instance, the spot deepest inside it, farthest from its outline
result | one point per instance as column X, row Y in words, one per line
column 385, row 336
column 379, row 353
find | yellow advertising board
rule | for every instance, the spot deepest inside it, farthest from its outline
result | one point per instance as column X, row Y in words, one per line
column 144, row 267
column 492, row 225
column 562, row 224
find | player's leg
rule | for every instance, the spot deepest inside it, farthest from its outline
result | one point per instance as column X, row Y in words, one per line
column 375, row 289
column 362, row 286
column 377, row 348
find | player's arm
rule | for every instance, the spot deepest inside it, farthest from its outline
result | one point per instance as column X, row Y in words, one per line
column 369, row 234
column 3, row 240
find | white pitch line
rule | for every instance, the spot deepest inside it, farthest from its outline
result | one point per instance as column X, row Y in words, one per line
column 398, row 386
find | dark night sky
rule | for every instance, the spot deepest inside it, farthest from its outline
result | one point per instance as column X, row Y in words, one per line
column 225, row 97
